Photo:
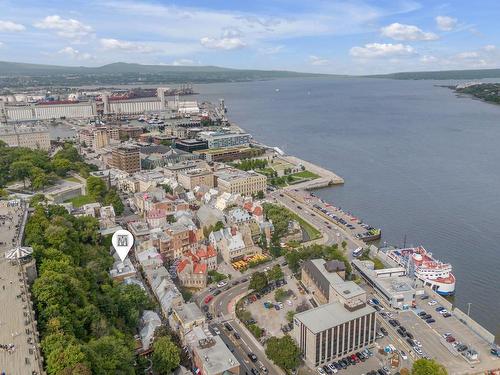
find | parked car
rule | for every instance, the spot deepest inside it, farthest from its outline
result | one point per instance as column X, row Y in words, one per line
column 432, row 303
column 403, row 355
column 220, row 284
column 430, row 320
column 446, row 314
column 208, row 298
column 216, row 292
column 320, row 370
column 236, row 335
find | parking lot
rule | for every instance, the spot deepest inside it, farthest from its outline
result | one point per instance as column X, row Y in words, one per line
column 432, row 338
column 273, row 318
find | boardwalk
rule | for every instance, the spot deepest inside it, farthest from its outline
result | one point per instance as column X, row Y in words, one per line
column 16, row 327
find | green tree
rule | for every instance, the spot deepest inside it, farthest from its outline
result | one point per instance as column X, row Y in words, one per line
column 21, row 170
column 275, row 273
column 111, row 355
column 258, row 281
column 289, row 315
column 61, row 166
column 283, row 352
column 280, row 295
column 425, row 366
column 166, row 355
column 63, row 352
column 96, row 188
column 112, row 198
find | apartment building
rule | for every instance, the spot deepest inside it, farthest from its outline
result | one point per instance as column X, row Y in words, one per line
column 126, row 158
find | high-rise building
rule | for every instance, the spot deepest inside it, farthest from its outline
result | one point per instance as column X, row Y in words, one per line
column 333, row 330
column 126, row 158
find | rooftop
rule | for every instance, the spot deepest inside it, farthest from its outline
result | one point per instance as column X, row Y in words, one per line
column 215, row 355
column 330, row 315
column 188, row 312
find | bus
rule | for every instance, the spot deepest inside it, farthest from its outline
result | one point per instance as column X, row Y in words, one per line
column 356, row 253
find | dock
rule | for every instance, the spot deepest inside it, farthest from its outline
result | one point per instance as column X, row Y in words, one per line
column 327, row 178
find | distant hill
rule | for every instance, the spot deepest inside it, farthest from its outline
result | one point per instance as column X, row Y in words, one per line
column 443, row 75
column 14, row 75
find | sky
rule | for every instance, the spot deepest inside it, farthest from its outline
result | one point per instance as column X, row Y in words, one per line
column 324, row 36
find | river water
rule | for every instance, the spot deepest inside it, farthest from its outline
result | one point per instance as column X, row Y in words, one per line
column 417, row 161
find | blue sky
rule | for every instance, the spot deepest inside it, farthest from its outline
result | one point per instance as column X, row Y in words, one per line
column 330, row 36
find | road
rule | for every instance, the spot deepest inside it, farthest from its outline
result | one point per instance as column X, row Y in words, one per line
column 221, row 306
column 332, row 234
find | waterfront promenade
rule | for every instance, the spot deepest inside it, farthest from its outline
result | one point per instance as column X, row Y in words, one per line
column 18, row 353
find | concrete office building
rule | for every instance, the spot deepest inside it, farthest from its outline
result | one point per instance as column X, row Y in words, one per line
column 211, row 356
column 390, row 283
column 334, row 330
column 191, row 145
column 219, row 140
column 34, row 137
column 326, row 281
column 126, row 158
column 235, row 181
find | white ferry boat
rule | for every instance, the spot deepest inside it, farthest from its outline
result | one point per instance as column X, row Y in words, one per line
column 422, row 265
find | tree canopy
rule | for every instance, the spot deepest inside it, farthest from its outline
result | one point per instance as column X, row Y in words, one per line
column 258, row 281
column 425, row 366
column 283, row 351
column 166, row 355
column 35, row 166
column 86, row 320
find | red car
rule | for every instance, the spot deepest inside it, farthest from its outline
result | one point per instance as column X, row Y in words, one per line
column 355, row 358
column 208, row 298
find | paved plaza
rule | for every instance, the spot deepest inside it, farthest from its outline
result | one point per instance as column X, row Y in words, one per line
column 18, row 354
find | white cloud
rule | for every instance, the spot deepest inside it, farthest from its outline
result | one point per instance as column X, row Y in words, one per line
column 400, row 31
column 489, row 48
column 446, row 23
column 271, row 50
column 75, row 54
column 427, row 59
column 468, row 55
column 318, row 61
column 184, row 62
column 126, row 46
column 374, row 50
column 9, row 26
column 224, row 43
column 67, row 28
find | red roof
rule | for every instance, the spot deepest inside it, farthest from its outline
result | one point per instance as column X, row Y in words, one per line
column 257, row 211
column 182, row 264
column 200, row 268
column 248, row 206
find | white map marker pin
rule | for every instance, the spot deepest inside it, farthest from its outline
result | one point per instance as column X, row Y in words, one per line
column 122, row 241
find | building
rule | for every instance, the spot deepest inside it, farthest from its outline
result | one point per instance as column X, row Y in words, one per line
column 191, row 272
column 191, row 145
column 185, row 317
column 126, row 158
column 235, row 181
column 130, row 132
column 333, row 330
column 196, row 177
column 325, row 280
column 226, row 154
column 211, row 356
column 148, row 324
column 96, row 137
column 220, row 139
column 33, row 137
column 233, row 244
column 391, row 284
